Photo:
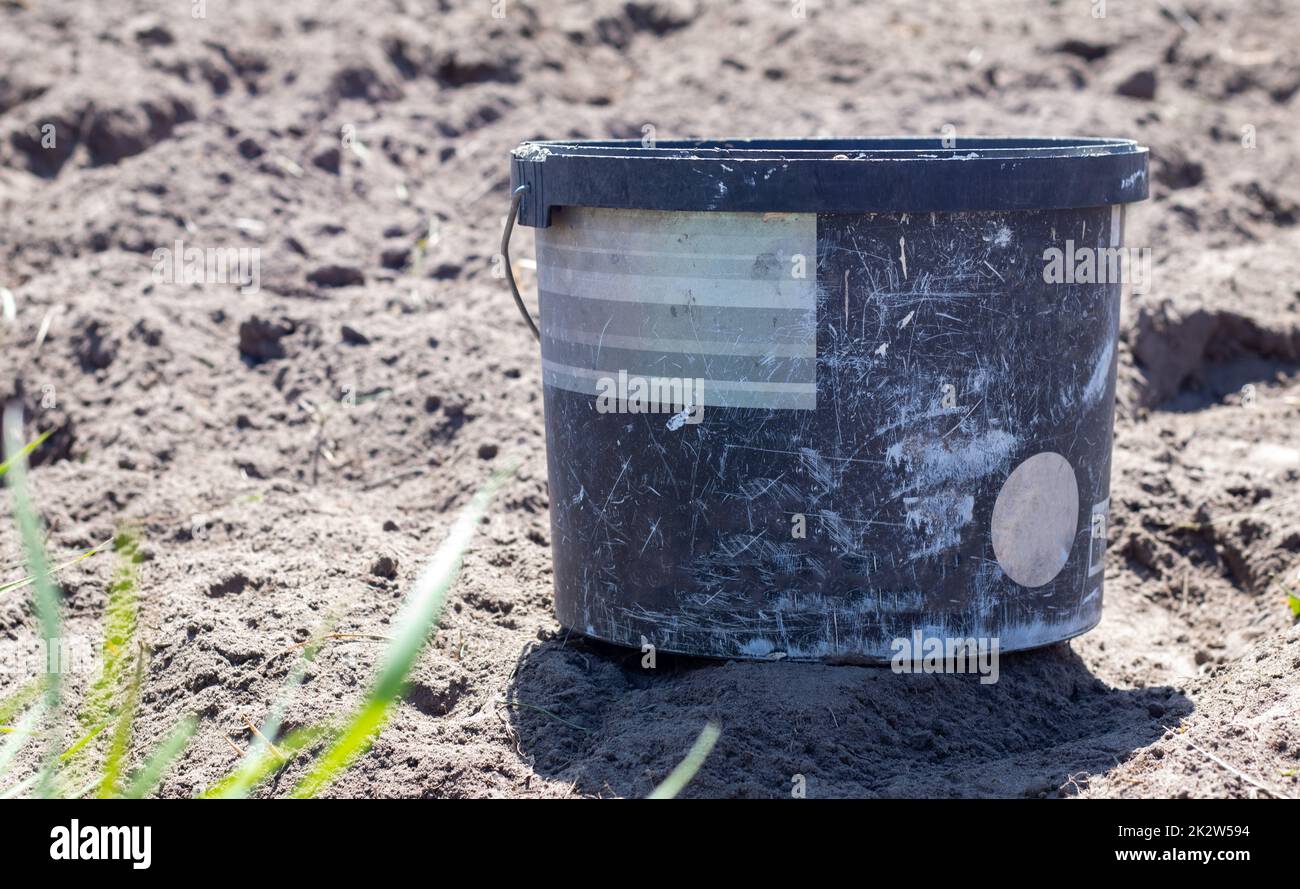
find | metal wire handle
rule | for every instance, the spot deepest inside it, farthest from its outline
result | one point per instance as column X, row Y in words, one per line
column 515, row 198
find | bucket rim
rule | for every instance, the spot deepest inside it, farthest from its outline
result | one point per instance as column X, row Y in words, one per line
column 871, row 148
column 894, row 174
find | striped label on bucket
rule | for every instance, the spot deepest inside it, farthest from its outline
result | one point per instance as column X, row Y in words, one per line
column 729, row 299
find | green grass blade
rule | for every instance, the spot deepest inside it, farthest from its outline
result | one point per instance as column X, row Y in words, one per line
column 30, row 579
column 79, row 792
column 418, row 617
column 251, row 770
column 423, row 605
column 82, row 742
column 18, row 701
column 20, row 788
column 354, row 741
column 15, row 739
column 679, row 777
column 24, row 452
column 113, row 684
column 147, row 777
column 120, row 744
column 267, row 764
column 48, row 598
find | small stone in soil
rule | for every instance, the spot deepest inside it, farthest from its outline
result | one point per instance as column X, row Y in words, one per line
column 151, row 33
column 94, row 347
column 230, row 584
column 1139, row 85
column 260, row 339
column 353, row 337
column 1086, row 50
column 336, row 276
column 328, row 160
column 395, row 258
column 250, row 150
column 384, row 566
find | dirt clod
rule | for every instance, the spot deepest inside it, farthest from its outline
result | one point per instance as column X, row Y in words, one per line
column 1139, row 85
column 334, row 275
column 384, row 566
column 352, row 336
column 260, row 339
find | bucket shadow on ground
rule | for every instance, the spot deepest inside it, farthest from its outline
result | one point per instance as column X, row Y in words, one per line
column 586, row 713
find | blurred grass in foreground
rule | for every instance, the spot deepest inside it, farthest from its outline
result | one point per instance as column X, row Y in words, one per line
column 111, row 703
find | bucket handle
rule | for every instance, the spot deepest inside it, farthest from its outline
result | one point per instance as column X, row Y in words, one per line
column 516, row 196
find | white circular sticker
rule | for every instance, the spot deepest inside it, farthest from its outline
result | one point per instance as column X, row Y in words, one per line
column 1035, row 519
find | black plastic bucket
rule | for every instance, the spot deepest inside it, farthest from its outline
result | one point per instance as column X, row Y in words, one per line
column 806, row 398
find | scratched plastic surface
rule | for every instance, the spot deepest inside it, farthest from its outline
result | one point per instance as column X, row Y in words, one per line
column 880, row 403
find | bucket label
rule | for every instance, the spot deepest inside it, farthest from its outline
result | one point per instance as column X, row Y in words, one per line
column 726, row 302
column 1097, row 537
column 1035, row 518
